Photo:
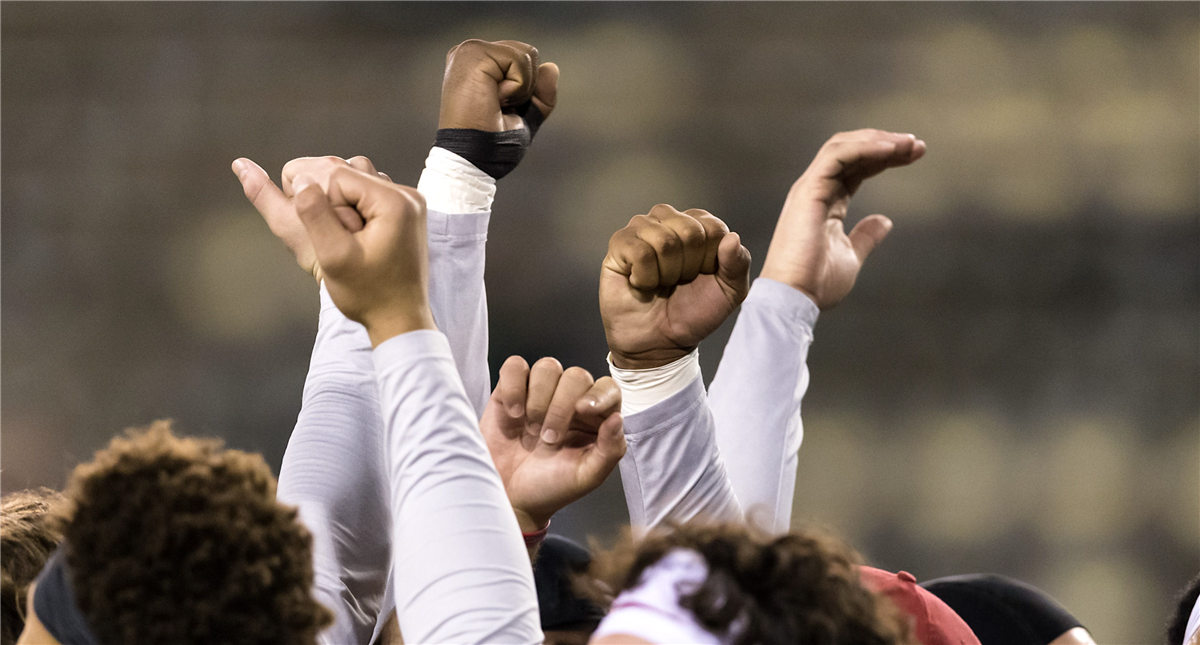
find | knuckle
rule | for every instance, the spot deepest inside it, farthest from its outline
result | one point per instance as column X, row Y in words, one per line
column 578, row 374
column 548, row 364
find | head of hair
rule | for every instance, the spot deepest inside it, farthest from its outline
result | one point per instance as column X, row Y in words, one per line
column 802, row 587
column 180, row 541
column 1184, row 603
column 26, row 540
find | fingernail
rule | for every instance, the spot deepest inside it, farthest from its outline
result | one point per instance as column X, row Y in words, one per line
column 591, row 402
column 549, row 436
column 239, row 167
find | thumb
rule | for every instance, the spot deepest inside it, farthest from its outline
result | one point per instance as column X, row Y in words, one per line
column 868, row 234
column 600, row 461
column 333, row 244
column 545, row 89
column 733, row 265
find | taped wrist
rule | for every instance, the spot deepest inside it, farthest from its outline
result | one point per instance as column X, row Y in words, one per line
column 495, row 153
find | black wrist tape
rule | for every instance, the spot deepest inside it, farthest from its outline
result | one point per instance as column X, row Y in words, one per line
column 495, row 153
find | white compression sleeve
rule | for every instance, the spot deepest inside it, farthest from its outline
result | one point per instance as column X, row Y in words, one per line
column 462, row 572
column 641, row 389
column 459, row 197
column 333, row 472
column 756, row 398
column 671, row 470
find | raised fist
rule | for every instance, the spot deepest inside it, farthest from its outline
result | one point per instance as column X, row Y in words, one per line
column 669, row 280
column 489, row 85
column 376, row 273
column 554, row 436
column 810, row 249
column 277, row 206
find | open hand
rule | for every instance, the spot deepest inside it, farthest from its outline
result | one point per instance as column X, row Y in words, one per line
column 810, row 249
column 669, row 280
column 554, row 435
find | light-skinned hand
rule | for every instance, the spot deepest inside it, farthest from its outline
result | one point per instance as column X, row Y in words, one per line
column 554, row 435
column 376, row 275
column 810, row 249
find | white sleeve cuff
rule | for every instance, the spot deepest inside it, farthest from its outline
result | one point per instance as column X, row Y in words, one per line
column 642, row 389
column 451, row 184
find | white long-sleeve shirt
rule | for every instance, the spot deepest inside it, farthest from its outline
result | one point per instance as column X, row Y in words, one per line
column 735, row 449
column 335, row 470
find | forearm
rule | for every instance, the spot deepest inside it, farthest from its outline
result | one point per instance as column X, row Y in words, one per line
column 333, row 472
column 756, row 397
column 672, row 470
column 459, row 199
column 462, row 572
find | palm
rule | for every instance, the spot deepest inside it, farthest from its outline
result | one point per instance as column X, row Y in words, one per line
column 828, row 263
column 676, row 318
column 539, row 478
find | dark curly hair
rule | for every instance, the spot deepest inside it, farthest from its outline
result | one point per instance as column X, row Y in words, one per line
column 26, row 540
column 177, row 541
column 802, row 587
column 1184, row 601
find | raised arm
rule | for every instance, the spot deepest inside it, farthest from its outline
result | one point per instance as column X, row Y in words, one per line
column 668, row 281
column 812, row 264
column 495, row 96
column 462, row 572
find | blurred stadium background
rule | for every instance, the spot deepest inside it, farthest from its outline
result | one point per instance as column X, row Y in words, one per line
column 1014, row 386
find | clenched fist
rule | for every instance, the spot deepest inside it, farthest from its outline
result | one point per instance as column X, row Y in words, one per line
column 810, row 249
column 669, row 280
column 377, row 274
column 554, row 435
column 489, row 85
column 279, row 209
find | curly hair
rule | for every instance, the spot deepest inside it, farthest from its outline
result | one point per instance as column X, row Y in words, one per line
column 26, row 540
column 802, row 587
column 176, row 541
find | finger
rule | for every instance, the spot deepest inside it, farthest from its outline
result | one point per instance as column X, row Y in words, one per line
column 543, row 380
column 511, row 387
column 334, row 245
column 668, row 248
column 371, row 195
column 691, row 235
column 631, row 256
column 384, row 175
column 268, row 200
column 574, row 383
column 848, row 159
column 599, row 462
column 714, row 231
column 733, row 266
column 545, row 89
column 363, row 164
column 602, row 400
column 518, row 62
column 868, row 234
column 315, row 168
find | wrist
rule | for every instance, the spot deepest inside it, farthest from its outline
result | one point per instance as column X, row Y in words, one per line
column 384, row 326
column 773, row 272
column 649, row 359
column 531, row 524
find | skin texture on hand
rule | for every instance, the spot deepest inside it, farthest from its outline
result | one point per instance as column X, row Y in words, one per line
column 377, row 275
column 810, row 249
column 486, row 81
column 669, row 280
column 278, row 207
column 554, row 436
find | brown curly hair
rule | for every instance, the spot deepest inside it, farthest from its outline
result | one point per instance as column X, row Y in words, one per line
column 802, row 587
column 175, row 541
column 26, row 540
